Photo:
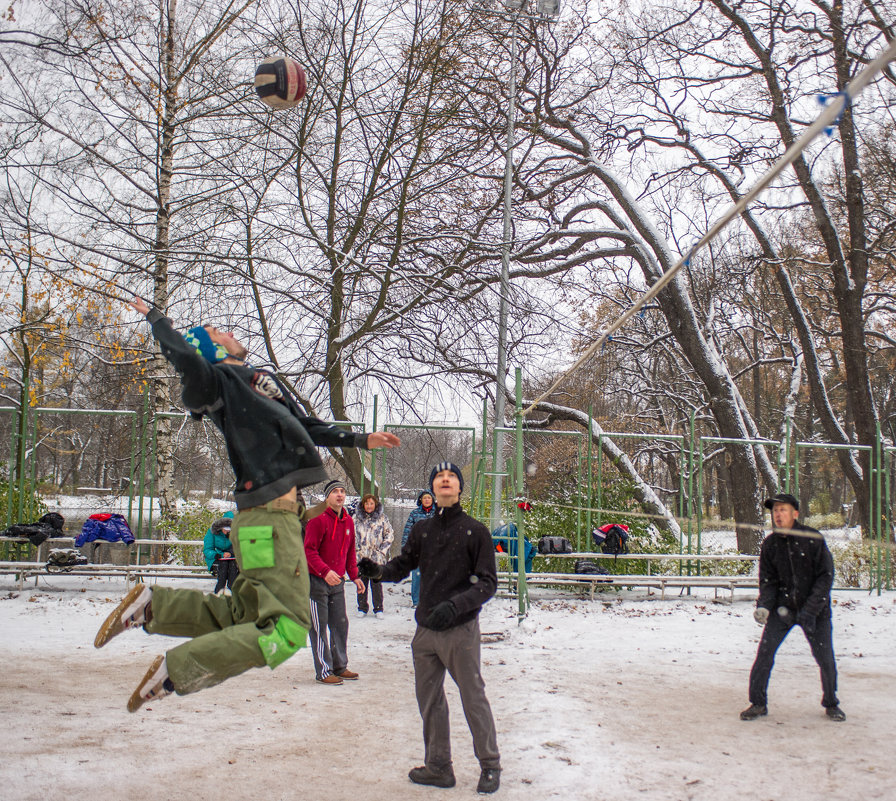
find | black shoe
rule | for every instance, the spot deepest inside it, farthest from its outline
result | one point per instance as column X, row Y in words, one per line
column 835, row 713
column 489, row 781
column 754, row 711
column 424, row 775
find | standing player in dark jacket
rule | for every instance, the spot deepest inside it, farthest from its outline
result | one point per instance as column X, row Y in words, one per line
column 271, row 446
column 457, row 576
column 796, row 573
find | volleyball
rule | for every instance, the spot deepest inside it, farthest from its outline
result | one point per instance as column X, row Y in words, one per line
column 280, row 82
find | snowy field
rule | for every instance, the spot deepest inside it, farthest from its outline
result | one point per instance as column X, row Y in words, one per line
column 617, row 699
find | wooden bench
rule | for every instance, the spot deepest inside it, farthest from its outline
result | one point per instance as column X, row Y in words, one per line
column 654, row 581
column 131, row 573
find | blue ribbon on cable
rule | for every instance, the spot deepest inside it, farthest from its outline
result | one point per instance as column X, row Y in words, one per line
column 823, row 100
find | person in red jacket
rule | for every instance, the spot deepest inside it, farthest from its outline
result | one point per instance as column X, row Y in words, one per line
column 330, row 551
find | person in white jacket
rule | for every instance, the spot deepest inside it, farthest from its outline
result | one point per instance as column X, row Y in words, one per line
column 373, row 539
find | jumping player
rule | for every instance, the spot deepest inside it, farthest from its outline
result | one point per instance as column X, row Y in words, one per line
column 271, row 446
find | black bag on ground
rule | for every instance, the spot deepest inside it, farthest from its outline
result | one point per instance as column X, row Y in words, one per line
column 554, row 545
column 585, row 567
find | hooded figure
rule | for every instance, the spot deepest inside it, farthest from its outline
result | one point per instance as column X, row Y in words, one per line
column 426, row 507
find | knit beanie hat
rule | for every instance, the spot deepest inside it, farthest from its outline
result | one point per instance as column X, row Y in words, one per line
column 334, row 483
column 446, row 466
column 198, row 337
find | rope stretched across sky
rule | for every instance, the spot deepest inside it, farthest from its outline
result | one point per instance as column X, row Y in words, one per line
column 834, row 105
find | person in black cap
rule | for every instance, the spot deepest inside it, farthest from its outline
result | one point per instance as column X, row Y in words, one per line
column 457, row 576
column 796, row 573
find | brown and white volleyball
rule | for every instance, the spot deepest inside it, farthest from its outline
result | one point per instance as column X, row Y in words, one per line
column 280, row 82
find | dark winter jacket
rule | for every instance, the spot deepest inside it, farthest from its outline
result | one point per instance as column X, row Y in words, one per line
column 796, row 570
column 270, row 443
column 416, row 515
column 330, row 544
column 456, row 559
column 49, row 525
column 105, row 526
column 216, row 541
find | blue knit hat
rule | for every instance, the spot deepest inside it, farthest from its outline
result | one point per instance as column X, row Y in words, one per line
column 198, row 337
column 446, row 466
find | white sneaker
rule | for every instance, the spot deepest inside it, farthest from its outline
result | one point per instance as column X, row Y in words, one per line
column 151, row 686
column 359, row 614
column 129, row 614
column 378, row 615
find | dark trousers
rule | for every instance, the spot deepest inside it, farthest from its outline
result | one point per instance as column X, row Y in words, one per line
column 329, row 628
column 457, row 651
column 374, row 588
column 227, row 571
column 821, row 643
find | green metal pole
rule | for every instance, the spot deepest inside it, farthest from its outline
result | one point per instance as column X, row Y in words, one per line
column 787, row 454
column 11, row 472
column 141, row 485
column 522, row 588
column 579, row 496
column 22, row 445
column 690, row 502
column 600, row 477
column 875, row 504
column 32, row 509
column 590, row 456
column 131, row 472
column 372, row 456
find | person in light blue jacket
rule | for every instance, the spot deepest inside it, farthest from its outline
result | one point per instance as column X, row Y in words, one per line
column 425, row 508
column 219, row 552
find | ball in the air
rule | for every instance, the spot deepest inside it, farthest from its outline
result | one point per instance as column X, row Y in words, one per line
column 280, row 82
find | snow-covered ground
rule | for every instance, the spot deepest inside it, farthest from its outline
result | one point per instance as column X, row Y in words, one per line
column 615, row 699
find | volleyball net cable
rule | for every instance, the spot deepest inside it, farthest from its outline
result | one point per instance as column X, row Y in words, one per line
column 833, row 107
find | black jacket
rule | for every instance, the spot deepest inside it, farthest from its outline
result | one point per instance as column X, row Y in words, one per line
column 456, row 558
column 796, row 570
column 270, row 443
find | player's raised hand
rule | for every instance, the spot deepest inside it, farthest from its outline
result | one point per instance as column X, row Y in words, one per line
column 139, row 305
column 382, row 439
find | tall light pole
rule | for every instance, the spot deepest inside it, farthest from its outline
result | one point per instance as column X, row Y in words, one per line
column 545, row 10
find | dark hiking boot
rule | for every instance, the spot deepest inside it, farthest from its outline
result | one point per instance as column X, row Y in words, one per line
column 754, row 711
column 424, row 775
column 835, row 713
column 134, row 610
column 489, row 781
column 154, row 684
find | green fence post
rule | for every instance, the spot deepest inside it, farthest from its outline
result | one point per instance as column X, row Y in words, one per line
column 521, row 586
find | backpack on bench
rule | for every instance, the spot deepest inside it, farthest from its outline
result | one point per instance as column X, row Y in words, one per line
column 612, row 538
column 547, row 546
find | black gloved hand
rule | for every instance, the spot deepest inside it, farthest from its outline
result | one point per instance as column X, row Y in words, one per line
column 442, row 616
column 369, row 569
column 806, row 620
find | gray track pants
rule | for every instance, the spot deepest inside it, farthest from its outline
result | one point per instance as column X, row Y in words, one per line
column 457, row 651
column 329, row 627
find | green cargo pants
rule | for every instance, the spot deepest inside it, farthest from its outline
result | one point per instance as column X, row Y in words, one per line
column 264, row 621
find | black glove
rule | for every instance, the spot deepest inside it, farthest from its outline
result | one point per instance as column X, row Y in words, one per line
column 369, row 569
column 442, row 616
column 806, row 619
